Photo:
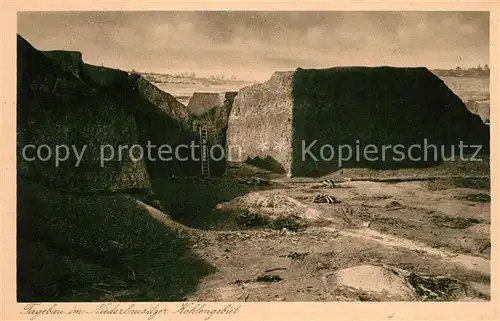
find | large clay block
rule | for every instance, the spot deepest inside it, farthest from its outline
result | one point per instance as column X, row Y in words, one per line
column 276, row 121
column 201, row 103
column 260, row 123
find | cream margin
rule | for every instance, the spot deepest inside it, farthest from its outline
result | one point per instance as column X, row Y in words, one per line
column 11, row 310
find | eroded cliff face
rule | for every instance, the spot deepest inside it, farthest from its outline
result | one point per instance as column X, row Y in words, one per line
column 56, row 108
column 85, row 127
column 260, row 124
column 65, row 102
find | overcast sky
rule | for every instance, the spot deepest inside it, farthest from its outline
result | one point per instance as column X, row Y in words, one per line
column 252, row 45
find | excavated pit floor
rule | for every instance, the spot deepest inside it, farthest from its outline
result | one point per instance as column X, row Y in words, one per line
column 434, row 233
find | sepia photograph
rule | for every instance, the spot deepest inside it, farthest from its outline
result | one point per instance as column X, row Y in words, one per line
column 252, row 156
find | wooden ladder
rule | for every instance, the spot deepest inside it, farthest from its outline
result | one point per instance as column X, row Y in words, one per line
column 205, row 159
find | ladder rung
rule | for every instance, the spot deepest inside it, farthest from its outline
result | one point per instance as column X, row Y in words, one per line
column 205, row 164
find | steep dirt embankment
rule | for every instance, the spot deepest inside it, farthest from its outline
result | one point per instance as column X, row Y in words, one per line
column 58, row 108
column 81, row 229
column 163, row 121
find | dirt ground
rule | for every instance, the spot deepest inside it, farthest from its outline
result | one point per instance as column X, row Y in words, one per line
column 431, row 229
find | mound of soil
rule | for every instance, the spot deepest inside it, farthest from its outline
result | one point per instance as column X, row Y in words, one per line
column 375, row 280
column 272, row 205
column 388, row 283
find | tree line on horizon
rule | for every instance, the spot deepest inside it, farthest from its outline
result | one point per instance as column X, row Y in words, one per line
column 479, row 71
column 188, row 75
